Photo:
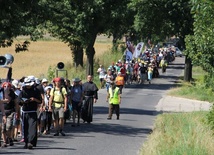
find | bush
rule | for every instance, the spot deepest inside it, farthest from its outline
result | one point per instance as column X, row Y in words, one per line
column 210, row 117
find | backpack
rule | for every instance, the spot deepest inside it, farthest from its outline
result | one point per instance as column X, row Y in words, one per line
column 67, row 112
column 60, row 93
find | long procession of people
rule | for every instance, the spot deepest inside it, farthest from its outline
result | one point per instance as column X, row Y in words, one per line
column 30, row 107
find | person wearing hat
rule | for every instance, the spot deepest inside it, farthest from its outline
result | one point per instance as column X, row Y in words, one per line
column 40, row 111
column 46, row 123
column 2, row 117
column 76, row 100
column 30, row 99
column 58, row 105
column 9, row 100
column 16, row 122
column 114, row 97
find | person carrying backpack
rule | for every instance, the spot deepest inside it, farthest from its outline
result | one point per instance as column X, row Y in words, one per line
column 58, row 100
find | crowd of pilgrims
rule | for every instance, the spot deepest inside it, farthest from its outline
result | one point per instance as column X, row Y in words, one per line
column 24, row 123
column 30, row 107
column 139, row 70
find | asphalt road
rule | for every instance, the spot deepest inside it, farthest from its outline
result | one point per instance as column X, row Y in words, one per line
column 108, row 137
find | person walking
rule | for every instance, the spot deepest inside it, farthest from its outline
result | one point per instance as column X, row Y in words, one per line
column 48, row 114
column 58, row 105
column 91, row 96
column 11, row 108
column 108, row 78
column 76, row 99
column 163, row 65
column 114, row 96
column 102, row 73
column 150, row 72
column 120, row 81
column 142, row 71
column 16, row 121
column 2, row 115
column 30, row 99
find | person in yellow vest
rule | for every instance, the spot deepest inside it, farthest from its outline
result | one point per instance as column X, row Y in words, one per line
column 114, row 96
column 120, row 81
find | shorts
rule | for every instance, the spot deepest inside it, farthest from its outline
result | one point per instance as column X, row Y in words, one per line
column 107, row 86
column 75, row 106
column 58, row 113
column 16, row 122
column 101, row 79
column 9, row 124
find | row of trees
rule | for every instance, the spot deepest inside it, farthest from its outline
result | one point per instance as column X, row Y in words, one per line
column 78, row 23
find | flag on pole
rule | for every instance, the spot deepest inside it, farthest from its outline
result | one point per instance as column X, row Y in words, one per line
column 138, row 50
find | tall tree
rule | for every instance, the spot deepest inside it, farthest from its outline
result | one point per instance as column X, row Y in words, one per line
column 20, row 18
column 165, row 18
column 81, row 21
column 200, row 45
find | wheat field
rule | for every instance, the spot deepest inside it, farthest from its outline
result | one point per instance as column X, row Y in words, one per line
column 41, row 55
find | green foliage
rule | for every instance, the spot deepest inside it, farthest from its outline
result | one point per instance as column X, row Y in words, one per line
column 21, row 18
column 200, row 45
column 162, row 18
column 51, row 73
column 210, row 117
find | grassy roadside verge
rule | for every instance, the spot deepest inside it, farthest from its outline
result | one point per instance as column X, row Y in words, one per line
column 180, row 134
column 195, row 89
column 183, row 133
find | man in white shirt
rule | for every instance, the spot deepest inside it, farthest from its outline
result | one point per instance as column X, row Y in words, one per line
column 102, row 73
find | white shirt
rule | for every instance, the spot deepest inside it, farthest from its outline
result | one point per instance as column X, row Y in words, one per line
column 101, row 72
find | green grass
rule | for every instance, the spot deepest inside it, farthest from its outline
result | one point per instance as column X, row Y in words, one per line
column 180, row 134
column 196, row 89
column 184, row 133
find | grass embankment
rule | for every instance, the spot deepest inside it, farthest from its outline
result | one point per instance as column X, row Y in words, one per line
column 195, row 89
column 180, row 134
column 183, row 133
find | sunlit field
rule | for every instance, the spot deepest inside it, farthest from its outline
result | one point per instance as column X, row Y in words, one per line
column 43, row 54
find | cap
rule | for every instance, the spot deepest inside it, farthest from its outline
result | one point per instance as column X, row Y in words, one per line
column 57, row 79
column 44, row 80
column 6, row 84
column 47, row 87
column 15, row 83
column 76, row 80
column 28, row 82
column 32, row 78
column 37, row 81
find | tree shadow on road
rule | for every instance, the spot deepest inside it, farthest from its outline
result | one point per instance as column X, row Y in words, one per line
column 104, row 110
column 110, row 128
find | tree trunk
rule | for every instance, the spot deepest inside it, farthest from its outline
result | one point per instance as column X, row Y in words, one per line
column 188, row 64
column 115, row 43
column 77, row 53
column 79, row 58
column 90, row 52
column 90, row 61
column 188, row 69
